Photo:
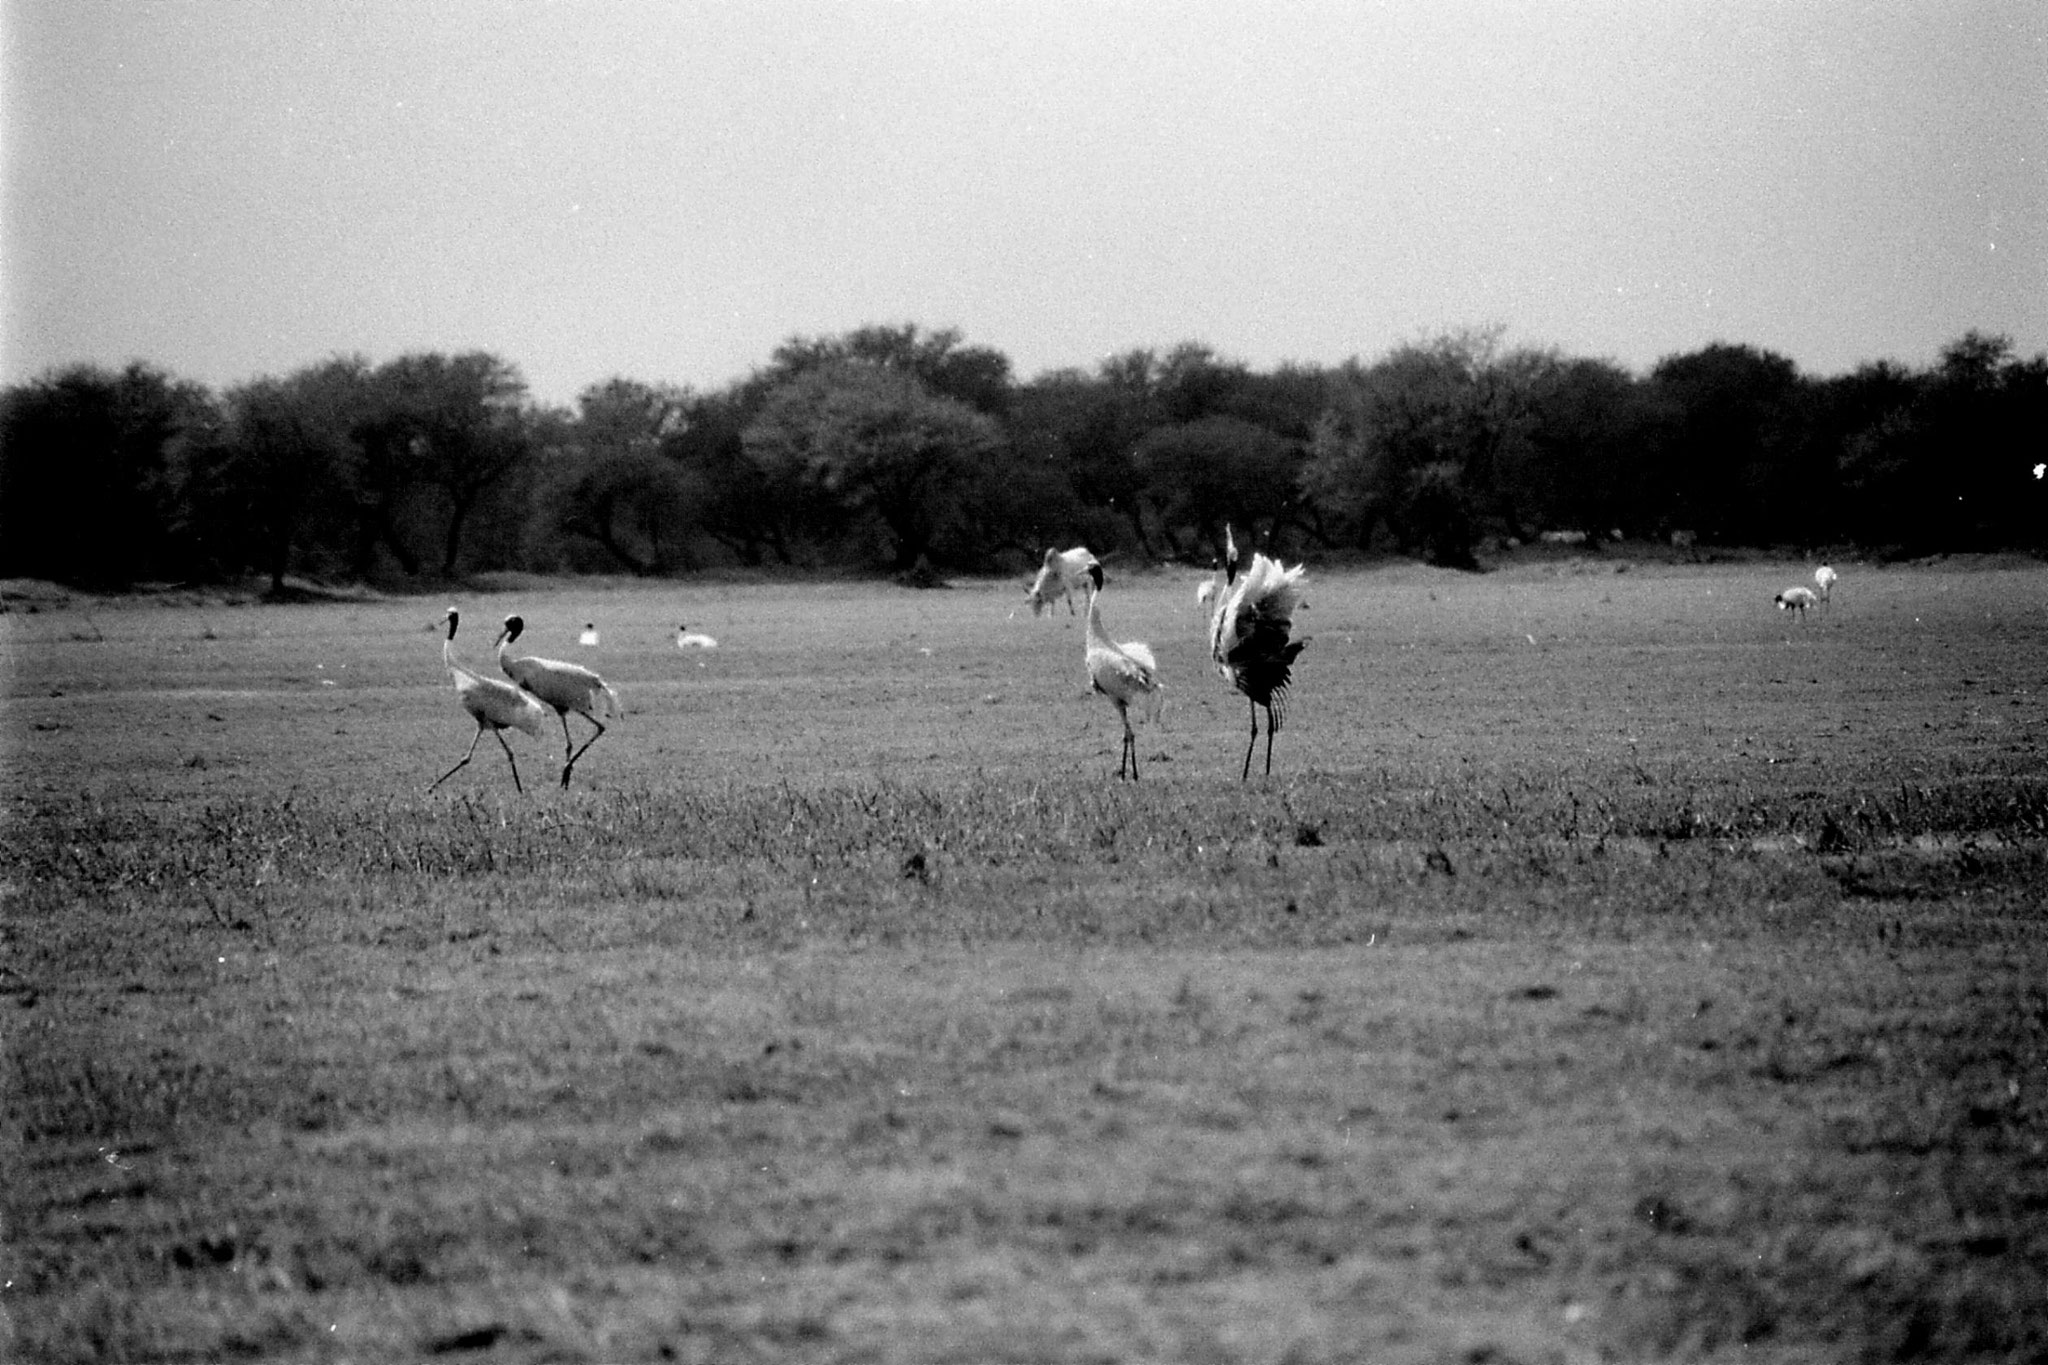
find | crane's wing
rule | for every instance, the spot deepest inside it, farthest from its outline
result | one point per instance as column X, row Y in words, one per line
column 1257, row 614
column 497, row 703
column 1252, row 634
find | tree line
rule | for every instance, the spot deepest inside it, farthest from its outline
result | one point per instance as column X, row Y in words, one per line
column 893, row 447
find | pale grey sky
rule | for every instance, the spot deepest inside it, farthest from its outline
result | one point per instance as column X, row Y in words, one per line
column 668, row 190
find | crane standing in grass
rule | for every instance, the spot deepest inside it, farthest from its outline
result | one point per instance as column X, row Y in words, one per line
column 562, row 688
column 497, row 706
column 1249, row 637
column 1824, row 579
column 1125, row 673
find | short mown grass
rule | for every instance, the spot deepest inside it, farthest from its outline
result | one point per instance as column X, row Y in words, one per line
column 1611, row 969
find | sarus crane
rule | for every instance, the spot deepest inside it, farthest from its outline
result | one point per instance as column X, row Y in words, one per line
column 1125, row 673
column 496, row 706
column 560, row 687
column 1249, row 637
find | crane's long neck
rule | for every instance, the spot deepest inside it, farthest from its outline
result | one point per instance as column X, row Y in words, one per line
column 1096, row 635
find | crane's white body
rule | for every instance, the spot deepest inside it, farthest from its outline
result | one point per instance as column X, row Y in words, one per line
column 1824, row 580
column 1125, row 673
column 495, row 706
column 589, row 637
column 1065, row 574
column 1796, row 599
column 562, row 688
column 691, row 639
column 1249, row 637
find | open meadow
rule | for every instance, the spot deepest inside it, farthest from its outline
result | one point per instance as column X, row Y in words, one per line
column 1613, row 968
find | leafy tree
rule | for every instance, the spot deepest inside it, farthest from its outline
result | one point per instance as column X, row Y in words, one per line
column 1203, row 474
column 1986, row 425
column 739, row 503
column 1085, row 429
column 90, row 463
column 862, row 439
column 1867, row 419
column 620, row 489
column 278, row 477
column 1727, row 446
column 452, row 424
column 1582, row 467
column 1414, row 444
column 975, row 375
column 1943, row 460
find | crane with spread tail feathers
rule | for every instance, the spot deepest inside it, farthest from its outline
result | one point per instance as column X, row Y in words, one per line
column 560, row 687
column 1249, row 637
column 496, row 706
column 1126, row 673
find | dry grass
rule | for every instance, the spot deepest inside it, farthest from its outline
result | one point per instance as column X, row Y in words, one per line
column 1612, row 969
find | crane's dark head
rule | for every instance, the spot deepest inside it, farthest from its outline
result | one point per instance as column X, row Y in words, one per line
column 1095, row 577
column 450, row 620
column 513, row 625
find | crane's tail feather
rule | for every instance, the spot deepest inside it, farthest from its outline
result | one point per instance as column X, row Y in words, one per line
column 1154, row 703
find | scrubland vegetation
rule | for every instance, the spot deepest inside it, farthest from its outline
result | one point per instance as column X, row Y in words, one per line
column 1613, row 968
column 893, row 448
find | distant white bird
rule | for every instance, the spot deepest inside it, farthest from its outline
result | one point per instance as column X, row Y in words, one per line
column 1064, row 574
column 1824, row 578
column 1795, row 599
column 690, row 639
column 560, row 687
column 1248, row 637
column 496, row 706
column 1125, row 673
column 589, row 635
column 1205, row 592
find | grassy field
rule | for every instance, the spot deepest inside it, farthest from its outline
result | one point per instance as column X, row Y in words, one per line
column 1613, row 968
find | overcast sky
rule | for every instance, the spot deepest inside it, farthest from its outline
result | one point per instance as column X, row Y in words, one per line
column 666, row 191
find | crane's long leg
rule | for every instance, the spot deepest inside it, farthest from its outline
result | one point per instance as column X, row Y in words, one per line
column 516, row 784
column 1270, row 728
column 465, row 758
column 570, row 766
column 1130, row 747
column 1251, row 743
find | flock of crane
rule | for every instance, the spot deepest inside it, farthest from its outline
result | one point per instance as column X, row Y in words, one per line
column 1250, row 631
column 1251, row 640
column 1251, row 627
